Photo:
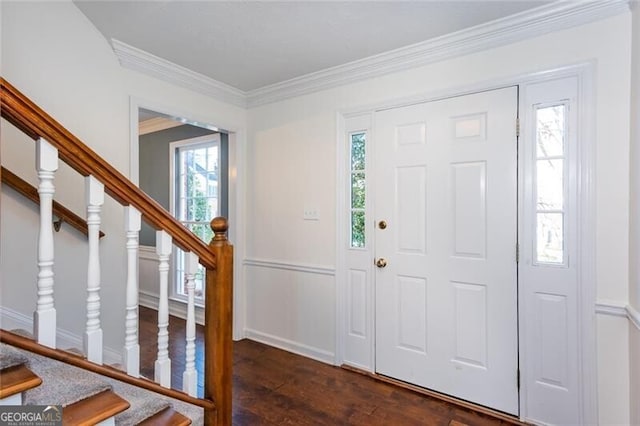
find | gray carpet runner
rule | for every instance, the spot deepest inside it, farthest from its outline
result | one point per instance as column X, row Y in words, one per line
column 10, row 357
column 63, row 384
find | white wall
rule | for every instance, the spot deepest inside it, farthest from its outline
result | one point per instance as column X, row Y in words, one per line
column 55, row 56
column 292, row 164
column 634, row 234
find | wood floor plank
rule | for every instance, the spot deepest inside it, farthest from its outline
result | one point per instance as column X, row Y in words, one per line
column 275, row 387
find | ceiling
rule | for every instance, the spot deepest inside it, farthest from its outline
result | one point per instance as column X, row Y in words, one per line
column 253, row 44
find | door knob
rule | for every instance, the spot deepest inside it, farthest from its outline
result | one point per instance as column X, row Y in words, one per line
column 382, row 224
column 381, row 263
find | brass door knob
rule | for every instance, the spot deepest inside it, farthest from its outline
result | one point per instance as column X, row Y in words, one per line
column 382, row 224
column 381, row 263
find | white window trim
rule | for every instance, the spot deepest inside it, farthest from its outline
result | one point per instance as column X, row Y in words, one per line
column 173, row 147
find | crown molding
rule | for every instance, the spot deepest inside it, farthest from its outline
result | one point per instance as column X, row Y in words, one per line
column 531, row 23
column 138, row 60
column 534, row 22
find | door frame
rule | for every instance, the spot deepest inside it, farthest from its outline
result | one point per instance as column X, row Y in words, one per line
column 237, row 185
column 584, row 72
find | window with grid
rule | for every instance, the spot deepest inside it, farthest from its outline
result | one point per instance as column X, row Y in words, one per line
column 196, row 199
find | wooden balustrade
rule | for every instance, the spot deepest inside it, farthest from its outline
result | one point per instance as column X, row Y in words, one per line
column 53, row 142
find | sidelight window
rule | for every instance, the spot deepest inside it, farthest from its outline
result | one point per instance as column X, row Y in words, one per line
column 550, row 183
column 357, row 150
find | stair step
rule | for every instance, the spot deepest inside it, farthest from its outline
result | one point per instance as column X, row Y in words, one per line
column 52, row 391
column 10, row 357
column 94, row 409
column 17, row 379
column 166, row 417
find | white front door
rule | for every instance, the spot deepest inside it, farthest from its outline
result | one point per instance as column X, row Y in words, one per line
column 446, row 282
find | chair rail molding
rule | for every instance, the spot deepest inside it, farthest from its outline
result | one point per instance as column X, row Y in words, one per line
column 290, row 266
column 618, row 309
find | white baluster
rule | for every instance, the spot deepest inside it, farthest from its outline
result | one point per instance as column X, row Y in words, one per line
column 131, row 354
column 163, row 363
column 190, row 376
column 94, row 196
column 44, row 317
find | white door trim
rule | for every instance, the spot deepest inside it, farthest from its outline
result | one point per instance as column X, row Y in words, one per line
column 237, row 188
column 586, row 215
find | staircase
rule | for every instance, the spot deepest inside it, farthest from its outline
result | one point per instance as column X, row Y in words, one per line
column 34, row 371
column 27, row 378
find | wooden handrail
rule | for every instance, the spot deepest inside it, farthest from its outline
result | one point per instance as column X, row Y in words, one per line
column 35, row 123
column 217, row 257
column 29, row 191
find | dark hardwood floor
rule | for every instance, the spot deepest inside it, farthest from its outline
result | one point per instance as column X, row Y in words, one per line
column 275, row 387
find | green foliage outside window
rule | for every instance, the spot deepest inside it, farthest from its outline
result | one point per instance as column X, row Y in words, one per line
column 358, row 189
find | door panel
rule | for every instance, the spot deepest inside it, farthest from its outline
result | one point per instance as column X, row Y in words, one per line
column 446, row 301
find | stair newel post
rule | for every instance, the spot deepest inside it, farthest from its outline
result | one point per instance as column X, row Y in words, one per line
column 131, row 354
column 44, row 317
column 94, row 196
column 163, row 363
column 219, row 326
column 190, row 376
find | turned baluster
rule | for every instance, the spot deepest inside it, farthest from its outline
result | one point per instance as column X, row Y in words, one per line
column 131, row 353
column 94, row 195
column 44, row 317
column 163, row 363
column 190, row 376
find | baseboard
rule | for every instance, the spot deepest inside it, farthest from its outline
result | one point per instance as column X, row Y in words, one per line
column 291, row 346
column 11, row 320
column 177, row 308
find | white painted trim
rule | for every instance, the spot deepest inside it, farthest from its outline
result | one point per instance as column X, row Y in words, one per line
column 157, row 124
column 147, row 253
column 587, row 207
column 618, row 309
column 237, row 186
column 138, row 60
column 289, row 266
column 290, row 346
column 587, row 276
column 531, row 23
column 177, row 307
column 634, row 316
column 11, row 320
column 611, row 308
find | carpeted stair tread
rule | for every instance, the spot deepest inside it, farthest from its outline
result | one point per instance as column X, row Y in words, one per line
column 93, row 410
column 167, row 417
column 17, row 379
column 10, row 357
column 62, row 384
column 143, row 403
